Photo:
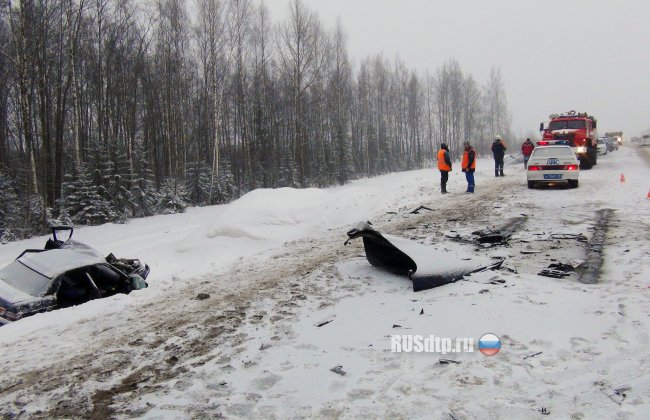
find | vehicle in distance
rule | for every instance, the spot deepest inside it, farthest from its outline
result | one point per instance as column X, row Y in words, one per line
column 645, row 141
column 64, row 273
column 553, row 164
column 602, row 146
column 616, row 135
column 612, row 144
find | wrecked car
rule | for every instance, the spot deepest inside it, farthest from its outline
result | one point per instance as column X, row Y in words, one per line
column 63, row 274
column 425, row 266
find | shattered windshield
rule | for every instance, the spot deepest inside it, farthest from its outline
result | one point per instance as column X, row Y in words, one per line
column 24, row 279
column 567, row 124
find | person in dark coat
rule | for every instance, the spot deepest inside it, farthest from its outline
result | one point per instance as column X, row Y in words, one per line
column 499, row 151
column 526, row 150
column 444, row 165
column 468, row 166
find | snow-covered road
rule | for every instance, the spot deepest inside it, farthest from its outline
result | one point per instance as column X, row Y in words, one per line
column 275, row 267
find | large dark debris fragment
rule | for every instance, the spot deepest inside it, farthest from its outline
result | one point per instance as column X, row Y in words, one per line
column 426, row 266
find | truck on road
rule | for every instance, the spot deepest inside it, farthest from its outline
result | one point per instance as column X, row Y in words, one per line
column 574, row 129
column 618, row 135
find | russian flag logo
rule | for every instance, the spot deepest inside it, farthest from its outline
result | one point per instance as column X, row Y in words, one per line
column 489, row 344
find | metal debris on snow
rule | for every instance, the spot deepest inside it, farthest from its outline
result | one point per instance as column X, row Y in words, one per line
column 338, row 369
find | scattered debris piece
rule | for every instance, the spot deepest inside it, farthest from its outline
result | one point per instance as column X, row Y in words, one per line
column 202, row 296
column 339, row 370
column 483, row 291
column 417, row 211
column 617, row 395
column 561, row 267
column 397, row 326
column 558, row 270
column 531, row 251
column 575, row 263
column 557, row 274
column 533, row 355
column 614, row 397
column 448, row 361
column 422, row 311
column 455, row 236
column 622, row 392
column 509, row 268
column 265, row 346
column 544, row 411
column 577, row 236
column 325, row 321
column 500, row 235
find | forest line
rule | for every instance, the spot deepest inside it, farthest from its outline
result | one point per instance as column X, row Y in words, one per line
column 110, row 109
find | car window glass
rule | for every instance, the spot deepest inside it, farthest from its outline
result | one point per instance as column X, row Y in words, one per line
column 24, row 279
column 73, row 290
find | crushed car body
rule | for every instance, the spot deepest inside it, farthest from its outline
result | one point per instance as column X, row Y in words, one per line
column 63, row 274
column 426, row 266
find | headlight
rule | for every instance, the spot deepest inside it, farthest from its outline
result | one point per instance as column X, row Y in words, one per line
column 581, row 149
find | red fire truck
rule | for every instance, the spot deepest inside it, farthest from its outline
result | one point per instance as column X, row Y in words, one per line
column 575, row 129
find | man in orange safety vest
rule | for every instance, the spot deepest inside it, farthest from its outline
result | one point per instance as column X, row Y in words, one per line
column 444, row 166
column 469, row 166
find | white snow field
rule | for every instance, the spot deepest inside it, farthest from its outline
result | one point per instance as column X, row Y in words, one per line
column 288, row 303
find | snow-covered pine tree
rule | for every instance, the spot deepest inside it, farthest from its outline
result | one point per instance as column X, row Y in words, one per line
column 345, row 167
column 83, row 201
column 198, row 181
column 143, row 196
column 226, row 191
column 172, row 197
column 116, row 179
column 34, row 223
column 288, row 174
column 9, row 209
column 61, row 212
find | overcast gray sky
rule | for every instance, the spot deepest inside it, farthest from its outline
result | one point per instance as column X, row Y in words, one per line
column 555, row 55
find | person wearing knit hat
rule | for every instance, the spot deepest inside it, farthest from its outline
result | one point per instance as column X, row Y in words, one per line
column 469, row 165
column 444, row 166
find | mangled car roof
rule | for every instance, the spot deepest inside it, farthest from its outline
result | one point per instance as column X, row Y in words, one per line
column 56, row 261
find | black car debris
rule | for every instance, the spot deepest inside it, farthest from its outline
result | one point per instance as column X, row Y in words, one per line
column 63, row 274
column 424, row 265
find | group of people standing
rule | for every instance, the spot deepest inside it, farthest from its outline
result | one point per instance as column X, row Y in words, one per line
column 468, row 163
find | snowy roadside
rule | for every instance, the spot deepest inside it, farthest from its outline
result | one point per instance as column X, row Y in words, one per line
column 253, row 349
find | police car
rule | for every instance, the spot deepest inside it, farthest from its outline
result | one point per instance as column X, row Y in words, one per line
column 553, row 164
